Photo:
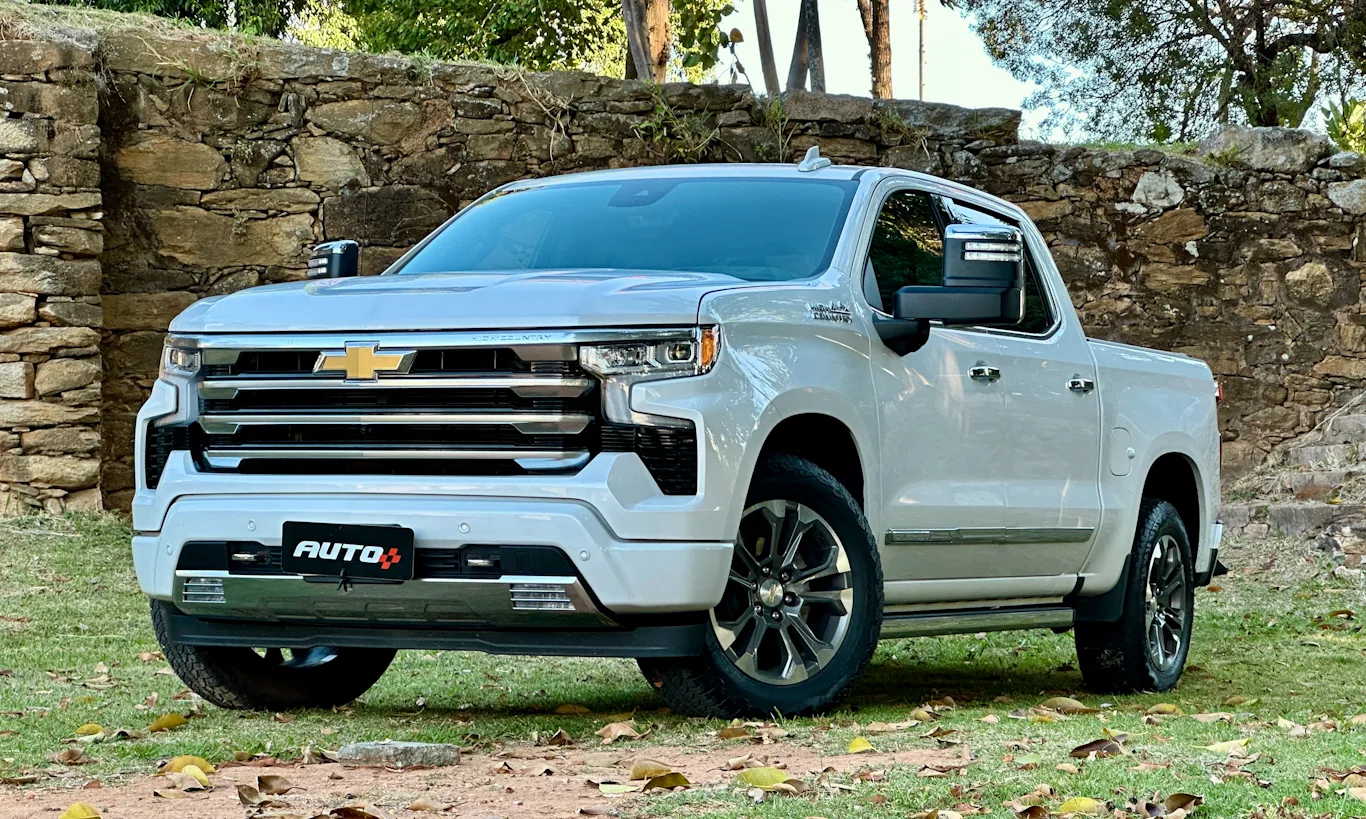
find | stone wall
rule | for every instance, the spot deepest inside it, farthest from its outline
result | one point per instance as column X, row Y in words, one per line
column 222, row 160
column 50, row 238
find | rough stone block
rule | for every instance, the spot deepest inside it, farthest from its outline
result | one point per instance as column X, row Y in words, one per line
column 1311, row 283
column 70, row 103
column 34, row 204
column 71, row 313
column 290, row 200
column 23, row 136
column 52, row 470
column 62, row 374
column 1286, row 150
column 48, row 276
column 16, row 379
column 39, row 56
column 75, row 241
column 396, row 214
column 44, row 414
column 196, row 237
column 60, row 441
column 379, row 121
column 175, row 163
column 144, row 311
column 17, row 309
column 47, row 339
column 85, row 501
column 11, row 233
column 1350, row 196
column 327, row 162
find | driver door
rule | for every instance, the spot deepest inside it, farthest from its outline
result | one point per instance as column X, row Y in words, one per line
column 942, row 420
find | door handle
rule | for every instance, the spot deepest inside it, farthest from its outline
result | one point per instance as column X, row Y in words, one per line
column 1082, row 385
column 983, row 372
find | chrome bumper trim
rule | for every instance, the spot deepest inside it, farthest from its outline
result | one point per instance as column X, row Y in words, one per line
column 531, row 460
column 476, row 602
column 524, row 386
column 529, row 423
column 902, row 537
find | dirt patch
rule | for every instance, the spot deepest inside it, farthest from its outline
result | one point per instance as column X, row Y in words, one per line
column 533, row 783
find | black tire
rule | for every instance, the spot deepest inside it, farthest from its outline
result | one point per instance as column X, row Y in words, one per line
column 240, row 678
column 1119, row 657
column 713, row 686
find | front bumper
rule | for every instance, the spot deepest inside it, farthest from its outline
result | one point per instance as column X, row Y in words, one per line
column 611, row 577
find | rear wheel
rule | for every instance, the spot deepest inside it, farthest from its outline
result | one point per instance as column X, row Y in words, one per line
column 800, row 616
column 1145, row 650
column 271, row 679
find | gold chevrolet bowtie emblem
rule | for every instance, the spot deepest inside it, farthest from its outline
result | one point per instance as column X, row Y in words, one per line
column 364, row 362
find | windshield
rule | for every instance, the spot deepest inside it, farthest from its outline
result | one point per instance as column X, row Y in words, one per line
column 755, row 229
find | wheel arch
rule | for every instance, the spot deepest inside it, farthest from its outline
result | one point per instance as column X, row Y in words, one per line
column 825, row 441
column 1174, row 478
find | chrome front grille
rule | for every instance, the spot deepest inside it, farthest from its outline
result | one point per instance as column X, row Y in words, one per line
column 449, row 405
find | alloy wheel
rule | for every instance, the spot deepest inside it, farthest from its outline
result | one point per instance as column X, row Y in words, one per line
column 790, row 597
column 1165, row 610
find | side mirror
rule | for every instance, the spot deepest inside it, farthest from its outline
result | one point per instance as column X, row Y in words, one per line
column 983, row 284
column 983, row 279
column 335, row 260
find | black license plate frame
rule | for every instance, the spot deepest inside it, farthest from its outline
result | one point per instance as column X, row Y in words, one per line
column 386, row 553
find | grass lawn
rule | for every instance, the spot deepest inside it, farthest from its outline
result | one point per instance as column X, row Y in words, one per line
column 73, row 624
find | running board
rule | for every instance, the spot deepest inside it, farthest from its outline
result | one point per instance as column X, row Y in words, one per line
column 929, row 624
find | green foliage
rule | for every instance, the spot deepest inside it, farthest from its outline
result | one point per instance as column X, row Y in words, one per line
column 536, row 35
column 1347, row 124
column 676, row 137
column 1162, row 70
column 264, row 17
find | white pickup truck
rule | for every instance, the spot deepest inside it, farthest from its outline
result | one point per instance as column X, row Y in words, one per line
column 737, row 422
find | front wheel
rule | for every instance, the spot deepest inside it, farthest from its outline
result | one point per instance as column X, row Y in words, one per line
column 271, row 679
column 800, row 617
column 1145, row 650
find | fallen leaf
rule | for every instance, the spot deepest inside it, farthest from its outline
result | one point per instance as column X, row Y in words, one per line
column 672, row 779
column 1358, row 794
column 860, row 745
column 166, row 722
column 648, row 769
column 1214, row 716
column 1165, row 709
column 764, row 778
column 990, row 719
column 193, row 772
column 1067, row 705
column 1183, row 801
column 560, row 739
column 273, row 785
column 572, row 710
column 177, row 764
column 80, row 810
column 1239, row 699
column 1081, row 804
column 1101, row 748
column 422, row 803
column 170, row 793
column 1228, row 747
column 70, row 755
column 1067, row 767
column 734, row 732
column 249, row 796
column 617, row 730
column 89, row 729
column 616, row 789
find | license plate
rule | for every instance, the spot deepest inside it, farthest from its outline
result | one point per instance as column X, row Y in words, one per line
column 334, row 550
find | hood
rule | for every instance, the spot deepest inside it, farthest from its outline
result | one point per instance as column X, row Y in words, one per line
column 460, row 301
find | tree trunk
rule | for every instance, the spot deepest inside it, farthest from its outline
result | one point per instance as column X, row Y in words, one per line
column 637, row 36
column 880, row 46
column 815, row 62
column 796, row 72
column 765, row 37
column 660, row 40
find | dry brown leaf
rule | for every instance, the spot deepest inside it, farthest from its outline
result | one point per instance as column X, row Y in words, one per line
column 648, row 769
column 1213, row 716
column 569, row 709
column 1067, row 705
column 617, row 730
column 422, row 803
column 70, row 755
column 560, row 739
column 273, row 785
column 1101, row 748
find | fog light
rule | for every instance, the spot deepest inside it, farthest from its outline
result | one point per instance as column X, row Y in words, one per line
column 203, row 590
column 540, row 597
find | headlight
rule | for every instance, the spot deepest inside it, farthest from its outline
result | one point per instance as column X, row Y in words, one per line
column 648, row 360
column 179, row 361
column 621, row 364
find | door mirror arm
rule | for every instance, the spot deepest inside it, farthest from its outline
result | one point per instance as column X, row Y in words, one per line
column 902, row 336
